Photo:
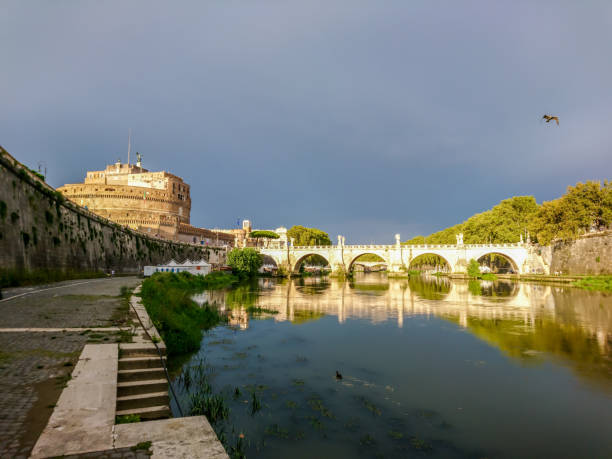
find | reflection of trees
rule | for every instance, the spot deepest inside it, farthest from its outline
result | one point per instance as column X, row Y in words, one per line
column 312, row 285
column 374, row 288
column 303, row 316
column 429, row 288
column 493, row 289
column 244, row 295
column 570, row 342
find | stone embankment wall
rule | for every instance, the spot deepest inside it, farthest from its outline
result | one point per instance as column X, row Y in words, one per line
column 589, row 254
column 40, row 230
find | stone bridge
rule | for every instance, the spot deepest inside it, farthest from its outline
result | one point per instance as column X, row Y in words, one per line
column 522, row 256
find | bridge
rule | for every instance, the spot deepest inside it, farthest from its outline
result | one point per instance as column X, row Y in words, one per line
column 522, row 256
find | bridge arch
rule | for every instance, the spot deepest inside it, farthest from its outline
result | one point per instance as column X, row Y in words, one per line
column 424, row 254
column 513, row 264
column 359, row 255
column 296, row 266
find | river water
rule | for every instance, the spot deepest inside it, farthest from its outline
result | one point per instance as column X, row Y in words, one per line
column 431, row 367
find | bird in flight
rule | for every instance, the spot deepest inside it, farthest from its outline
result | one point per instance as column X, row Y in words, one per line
column 550, row 118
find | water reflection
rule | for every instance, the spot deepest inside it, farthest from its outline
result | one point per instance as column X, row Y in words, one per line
column 523, row 320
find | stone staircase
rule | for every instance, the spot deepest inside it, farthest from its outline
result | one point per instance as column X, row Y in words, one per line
column 142, row 388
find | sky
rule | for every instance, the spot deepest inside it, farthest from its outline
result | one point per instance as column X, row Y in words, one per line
column 361, row 118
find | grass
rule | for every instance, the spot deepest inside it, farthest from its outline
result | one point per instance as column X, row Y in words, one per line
column 179, row 320
column 127, row 419
column 595, row 283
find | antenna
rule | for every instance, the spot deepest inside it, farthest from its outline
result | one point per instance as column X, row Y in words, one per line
column 129, row 144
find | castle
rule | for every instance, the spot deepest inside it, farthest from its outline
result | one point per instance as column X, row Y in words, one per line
column 156, row 203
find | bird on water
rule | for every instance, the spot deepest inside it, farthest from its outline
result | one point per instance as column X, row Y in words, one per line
column 338, row 375
column 550, row 118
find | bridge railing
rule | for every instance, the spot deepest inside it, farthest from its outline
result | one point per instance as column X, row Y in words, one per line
column 405, row 246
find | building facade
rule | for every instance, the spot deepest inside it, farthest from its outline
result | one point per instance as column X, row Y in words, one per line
column 157, row 203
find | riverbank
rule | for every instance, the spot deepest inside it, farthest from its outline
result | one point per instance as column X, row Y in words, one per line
column 180, row 320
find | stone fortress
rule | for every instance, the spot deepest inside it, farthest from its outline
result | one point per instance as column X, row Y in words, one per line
column 156, row 203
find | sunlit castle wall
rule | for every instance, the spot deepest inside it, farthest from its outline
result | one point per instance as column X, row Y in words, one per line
column 152, row 202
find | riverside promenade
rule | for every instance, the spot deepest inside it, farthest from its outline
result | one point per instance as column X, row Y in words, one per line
column 43, row 330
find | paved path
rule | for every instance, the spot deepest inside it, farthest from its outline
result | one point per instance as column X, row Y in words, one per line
column 35, row 365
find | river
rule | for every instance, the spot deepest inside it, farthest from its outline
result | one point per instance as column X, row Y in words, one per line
column 431, row 367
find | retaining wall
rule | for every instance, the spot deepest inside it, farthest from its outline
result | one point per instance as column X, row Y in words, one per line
column 589, row 254
column 40, row 230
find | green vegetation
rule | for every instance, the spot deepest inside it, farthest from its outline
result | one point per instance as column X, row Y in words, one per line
column 127, row 419
column 245, row 262
column 599, row 283
column 428, row 261
column 212, row 406
column 18, row 277
column 143, row 446
column 473, row 269
column 264, row 234
column 260, row 310
column 179, row 320
column 582, row 207
column 308, row 236
column 3, row 208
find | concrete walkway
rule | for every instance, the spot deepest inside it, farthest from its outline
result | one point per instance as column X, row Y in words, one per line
column 43, row 330
column 83, row 422
column 84, row 417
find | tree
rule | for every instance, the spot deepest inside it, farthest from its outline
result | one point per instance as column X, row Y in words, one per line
column 473, row 269
column 245, row 261
column 583, row 207
column 263, row 234
column 308, row 236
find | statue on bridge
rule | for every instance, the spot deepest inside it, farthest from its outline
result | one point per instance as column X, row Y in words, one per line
column 459, row 239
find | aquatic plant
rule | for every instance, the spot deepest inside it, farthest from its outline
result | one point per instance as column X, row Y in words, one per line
column 276, row 431
column 212, row 406
column 255, row 403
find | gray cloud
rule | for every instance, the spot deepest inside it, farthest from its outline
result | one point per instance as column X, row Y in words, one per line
column 363, row 118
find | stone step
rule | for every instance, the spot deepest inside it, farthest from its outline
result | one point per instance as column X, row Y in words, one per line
column 141, row 374
column 152, row 412
column 141, row 387
column 131, row 402
column 134, row 363
column 140, row 349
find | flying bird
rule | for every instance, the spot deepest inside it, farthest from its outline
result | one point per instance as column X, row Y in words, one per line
column 550, row 118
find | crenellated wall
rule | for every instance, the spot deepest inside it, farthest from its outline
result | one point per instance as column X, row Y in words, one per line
column 41, row 230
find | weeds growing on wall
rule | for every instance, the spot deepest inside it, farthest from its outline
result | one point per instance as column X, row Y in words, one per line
column 17, row 277
column 179, row 320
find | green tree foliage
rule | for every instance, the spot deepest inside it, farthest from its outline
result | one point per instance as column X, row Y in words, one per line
column 245, row 261
column 584, row 206
column 370, row 257
column 503, row 223
column 314, row 260
column 264, row 234
column 308, row 236
column 473, row 269
column 428, row 261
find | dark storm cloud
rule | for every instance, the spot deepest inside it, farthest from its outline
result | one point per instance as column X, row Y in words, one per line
column 361, row 118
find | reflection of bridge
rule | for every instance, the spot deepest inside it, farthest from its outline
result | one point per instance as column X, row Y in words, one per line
column 398, row 257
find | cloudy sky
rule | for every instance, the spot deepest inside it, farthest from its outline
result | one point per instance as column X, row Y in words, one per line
column 362, row 118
